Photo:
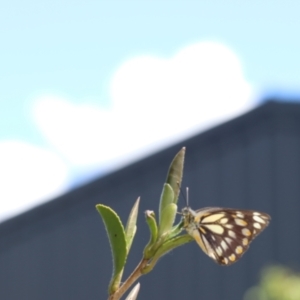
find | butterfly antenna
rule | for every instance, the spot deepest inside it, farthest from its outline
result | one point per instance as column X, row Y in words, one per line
column 187, row 197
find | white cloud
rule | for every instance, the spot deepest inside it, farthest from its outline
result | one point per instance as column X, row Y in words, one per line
column 155, row 101
column 28, row 174
column 79, row 132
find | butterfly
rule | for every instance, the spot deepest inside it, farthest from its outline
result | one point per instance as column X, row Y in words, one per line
column 224, row 234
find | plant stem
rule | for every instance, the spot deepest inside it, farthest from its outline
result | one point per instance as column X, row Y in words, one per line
column 137, row 273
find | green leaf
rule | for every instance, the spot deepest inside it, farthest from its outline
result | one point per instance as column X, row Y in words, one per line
column 116, row 235
column 175, row 173
column 130, row 229
column 176, row 230
column 167, row 219
column 151, row 221
column 166, row 198
column 166, row 247
column 173, row 243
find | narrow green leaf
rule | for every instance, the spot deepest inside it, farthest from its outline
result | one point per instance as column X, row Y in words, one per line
column 134, row 292
column 166, row 247
column 130, row 229
column 167, row 219
column 151, row 221
column 176, row 229
column 116, row 235
column 166, row 198
column 173, row 243
column 175, row 173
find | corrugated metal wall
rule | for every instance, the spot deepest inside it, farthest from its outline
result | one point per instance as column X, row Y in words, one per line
column 60, row 250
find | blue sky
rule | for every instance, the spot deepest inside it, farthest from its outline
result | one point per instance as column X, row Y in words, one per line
column 65, row 65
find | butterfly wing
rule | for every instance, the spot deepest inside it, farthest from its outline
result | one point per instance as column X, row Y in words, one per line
column 225, row 234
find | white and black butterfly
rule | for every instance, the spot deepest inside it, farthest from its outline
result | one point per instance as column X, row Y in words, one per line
column 224, row 234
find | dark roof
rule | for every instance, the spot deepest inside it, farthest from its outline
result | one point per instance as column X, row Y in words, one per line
column 252, row 161
column 272, row 110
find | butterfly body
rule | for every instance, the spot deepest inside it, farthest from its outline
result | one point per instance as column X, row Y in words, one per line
column 224, row 234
